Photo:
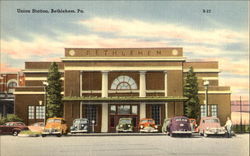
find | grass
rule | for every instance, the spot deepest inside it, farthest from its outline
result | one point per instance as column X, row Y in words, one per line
column 28, row 132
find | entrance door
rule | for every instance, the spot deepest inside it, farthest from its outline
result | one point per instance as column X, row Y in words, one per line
column 93, row 113
column 123, row 111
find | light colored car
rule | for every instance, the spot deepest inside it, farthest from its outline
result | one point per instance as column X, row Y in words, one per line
column 124, row 125
column 165, row 126
column 55, row 126
column 37, row 127
column 210, row 126
column 148, row 125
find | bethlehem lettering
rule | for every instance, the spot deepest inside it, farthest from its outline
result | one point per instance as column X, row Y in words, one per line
column 66, row 11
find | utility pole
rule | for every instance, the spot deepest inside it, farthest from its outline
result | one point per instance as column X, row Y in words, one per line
column 240, row 116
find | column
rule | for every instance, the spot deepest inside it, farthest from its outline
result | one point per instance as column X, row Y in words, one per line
column 80, row 110
column 104, row 83
column 80, row 83
column 142, row 110
column 142, row 83
column 166, row 92
column 104, row 117
column 166, row 83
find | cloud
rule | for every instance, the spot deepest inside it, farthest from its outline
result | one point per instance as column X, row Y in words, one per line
column 138, row 28
column 8, row 68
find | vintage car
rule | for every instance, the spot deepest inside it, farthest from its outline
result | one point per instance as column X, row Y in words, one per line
column 124, row 125
column 79, row 126
column 180, row 125
column 55, row 126
column 165, row 126
column 148, row 125
column 12, row 128
column 210, row 126
column 37, row 127
column 193, row 124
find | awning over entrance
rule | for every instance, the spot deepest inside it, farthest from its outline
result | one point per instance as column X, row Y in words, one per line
column 128, row 99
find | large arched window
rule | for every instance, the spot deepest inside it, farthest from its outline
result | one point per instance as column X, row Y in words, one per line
column 11, row 85
column 124, row 82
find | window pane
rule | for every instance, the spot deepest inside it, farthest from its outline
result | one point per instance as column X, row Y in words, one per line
column 124, row 109
column 214, row 110
column 31, row 111
column 123, row 82
column 156, row 114
column 112, row 109
column 134, row 109
column 91, row 113
column 40, row 112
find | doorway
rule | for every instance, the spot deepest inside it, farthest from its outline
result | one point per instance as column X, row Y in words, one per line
column 117, row 111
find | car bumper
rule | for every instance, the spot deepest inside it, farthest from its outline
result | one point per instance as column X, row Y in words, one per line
column 148, row 130
column 182, row 132
column 51, row 133
column 215, row 133
column 79, row 131
column 122, row 130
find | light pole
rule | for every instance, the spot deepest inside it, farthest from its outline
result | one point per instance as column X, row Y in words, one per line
column 206, row 84
column 45, row 84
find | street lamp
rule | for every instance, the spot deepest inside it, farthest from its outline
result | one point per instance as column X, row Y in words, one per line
column 45, row 84
column 206, row 84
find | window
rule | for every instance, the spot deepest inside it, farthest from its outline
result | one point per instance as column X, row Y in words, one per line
column 124, row 82
column 91, row 113
column 134, row 110
column 112, row 109
column 203, row 111
column 124, row 109
column 214, row 110
column 40, row 112
column 12, row 84
column 31, row 112
column 156, row 114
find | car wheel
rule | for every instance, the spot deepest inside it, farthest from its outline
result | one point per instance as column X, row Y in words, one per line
column 15, row 133
column 171, row 134
column 43, row 135
column 59, row 135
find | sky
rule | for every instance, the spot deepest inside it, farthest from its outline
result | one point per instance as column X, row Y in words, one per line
column 221, row 33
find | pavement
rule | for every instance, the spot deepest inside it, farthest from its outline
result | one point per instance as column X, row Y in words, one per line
column 124, row 145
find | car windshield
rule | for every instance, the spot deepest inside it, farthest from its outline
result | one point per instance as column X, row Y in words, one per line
column 211, row 121
column 125, row 121
column 81, row 121
column 149, row 121
column 18, row 124
column 54, row 120
column 181, row 119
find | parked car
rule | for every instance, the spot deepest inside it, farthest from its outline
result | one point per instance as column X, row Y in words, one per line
column 165, row 126
column 180, row 125
column 55, row 126
column 37, row 127
column 210, row 126
column 124, row 125
column 79, row 126
column 193, row 124
column 13, row 128
column 148, row 125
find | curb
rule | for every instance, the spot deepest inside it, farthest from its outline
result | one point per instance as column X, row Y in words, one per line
column 28, row 135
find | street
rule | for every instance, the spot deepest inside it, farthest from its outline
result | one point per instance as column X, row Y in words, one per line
column 124, row 146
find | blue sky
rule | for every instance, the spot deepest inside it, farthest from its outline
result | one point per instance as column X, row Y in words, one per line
column 221, row 35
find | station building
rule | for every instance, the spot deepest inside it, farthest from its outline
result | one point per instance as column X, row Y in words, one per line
column 106, row 84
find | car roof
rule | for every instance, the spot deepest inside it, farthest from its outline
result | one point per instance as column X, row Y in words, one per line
column 126, row 118
column 209, row 117
column 146, row 119
column 56, row 118
column 176, row 117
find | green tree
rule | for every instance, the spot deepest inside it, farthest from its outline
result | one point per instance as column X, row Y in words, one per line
column 192, row 105
column 54, row 107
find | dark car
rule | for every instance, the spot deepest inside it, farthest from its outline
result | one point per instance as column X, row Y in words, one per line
column 124, row 125
column 79, row 126
column 13, row 128
column 180, row 125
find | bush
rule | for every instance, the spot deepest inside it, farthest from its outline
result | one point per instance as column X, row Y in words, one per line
column 10, row 118
column 245, row 128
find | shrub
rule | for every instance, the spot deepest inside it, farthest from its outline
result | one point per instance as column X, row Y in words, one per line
column 10, row 118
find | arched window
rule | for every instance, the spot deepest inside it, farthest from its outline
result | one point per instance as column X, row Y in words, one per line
column 11, row 84
column 124, row 82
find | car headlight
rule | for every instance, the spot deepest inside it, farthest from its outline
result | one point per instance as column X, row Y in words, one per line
column 207, row 128
column 156, row 126
column 129, row 125
column 120, row 125
column 141, row 126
